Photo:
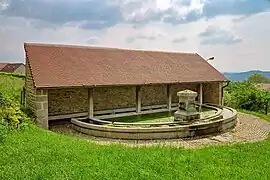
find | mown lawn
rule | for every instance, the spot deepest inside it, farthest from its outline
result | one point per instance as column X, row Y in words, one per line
column 34, row 153
column 38, row 154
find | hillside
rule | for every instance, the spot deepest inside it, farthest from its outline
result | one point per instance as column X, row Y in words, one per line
column 241, row 76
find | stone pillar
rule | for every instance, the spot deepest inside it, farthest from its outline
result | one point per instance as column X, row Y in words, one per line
column 90, row 103
column 42, row 108
column 169, row 95
column 138, row 99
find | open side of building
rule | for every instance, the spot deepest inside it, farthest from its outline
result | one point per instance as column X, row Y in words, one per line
column 73, row 81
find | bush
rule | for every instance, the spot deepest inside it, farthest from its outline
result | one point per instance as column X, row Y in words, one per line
column 11, row 116
column 245, row 95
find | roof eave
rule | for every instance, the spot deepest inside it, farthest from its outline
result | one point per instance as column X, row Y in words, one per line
column 113, row 85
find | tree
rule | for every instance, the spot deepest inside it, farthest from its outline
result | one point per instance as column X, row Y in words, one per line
column 258, row 78
column 245, row 95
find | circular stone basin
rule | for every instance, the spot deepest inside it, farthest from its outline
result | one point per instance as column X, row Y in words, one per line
column 209, row 113
column 217, row 121
column 157, row 117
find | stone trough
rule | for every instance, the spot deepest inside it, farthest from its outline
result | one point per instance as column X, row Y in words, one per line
column 217, row 123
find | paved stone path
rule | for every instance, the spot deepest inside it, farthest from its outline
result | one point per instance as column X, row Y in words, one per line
column 249, row 129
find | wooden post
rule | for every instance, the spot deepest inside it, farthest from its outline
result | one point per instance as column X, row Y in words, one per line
column 90, row 103
column 169, row 96
column 201, row 97
column 138, row 99
column 201, row 94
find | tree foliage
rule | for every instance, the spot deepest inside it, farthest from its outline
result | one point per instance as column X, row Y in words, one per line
column 258, row 78
column 246, row 95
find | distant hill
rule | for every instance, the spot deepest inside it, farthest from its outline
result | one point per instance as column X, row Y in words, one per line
column 241, row 76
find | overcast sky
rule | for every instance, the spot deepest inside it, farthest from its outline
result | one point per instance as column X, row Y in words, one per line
column 235, row 32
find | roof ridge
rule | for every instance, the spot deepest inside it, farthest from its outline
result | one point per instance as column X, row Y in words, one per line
column 108, row 48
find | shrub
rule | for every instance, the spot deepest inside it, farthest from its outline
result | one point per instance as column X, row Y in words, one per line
column 245, row 95
column 11, row 116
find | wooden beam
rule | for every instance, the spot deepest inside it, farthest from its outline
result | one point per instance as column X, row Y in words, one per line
column 90, row 103
column 169, row 97
column 138, row 99
column 68, row 116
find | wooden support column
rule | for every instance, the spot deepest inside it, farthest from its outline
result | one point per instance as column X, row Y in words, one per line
column 169, row 96
column 90, row 103
column 138, row 99
column 201, row 97
column 201, row 94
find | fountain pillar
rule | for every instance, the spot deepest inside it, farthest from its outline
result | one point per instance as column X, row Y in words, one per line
column 186, row 107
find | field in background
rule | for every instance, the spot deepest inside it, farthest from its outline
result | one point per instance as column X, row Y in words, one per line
column 34, row 153
column 11, row 85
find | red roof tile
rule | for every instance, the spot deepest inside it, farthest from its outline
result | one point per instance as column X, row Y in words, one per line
column 62, row 66
column 11, row 67
column 2, row 65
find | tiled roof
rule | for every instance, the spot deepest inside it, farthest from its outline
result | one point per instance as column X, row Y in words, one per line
column 63, row 66
column 2, row 65
column 11, row 67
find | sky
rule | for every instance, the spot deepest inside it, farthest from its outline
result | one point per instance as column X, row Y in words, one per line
column 235, row 32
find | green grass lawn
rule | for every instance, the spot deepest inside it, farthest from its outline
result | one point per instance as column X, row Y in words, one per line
column 39, row 154
column 34, row 153
column 260, row 115
column 11, row 86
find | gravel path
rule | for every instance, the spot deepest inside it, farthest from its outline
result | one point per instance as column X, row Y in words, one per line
column 249, row 129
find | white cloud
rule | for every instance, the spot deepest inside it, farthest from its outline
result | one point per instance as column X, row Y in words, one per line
column 183, row 24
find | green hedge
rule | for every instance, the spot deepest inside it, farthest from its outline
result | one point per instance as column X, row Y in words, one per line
column 13, row 74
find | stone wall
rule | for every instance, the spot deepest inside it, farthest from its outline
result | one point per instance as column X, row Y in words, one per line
column 105, row 98
column 153, row 95
column 212, row 93
column 180, row 87
column 75, row 100
column 42, row 108
column 67, row 101
column 30, row 94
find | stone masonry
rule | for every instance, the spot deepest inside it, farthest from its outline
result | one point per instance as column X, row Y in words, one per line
column 67, row 101
column 212, row 93
column 154, row 95
column 180, row 87
column 105, row 98
column 42, row 108
column 75, row 100
column 30, row 95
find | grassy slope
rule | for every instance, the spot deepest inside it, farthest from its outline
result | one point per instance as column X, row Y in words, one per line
column 39, row 154
column 260, row 115
column 11, row 86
